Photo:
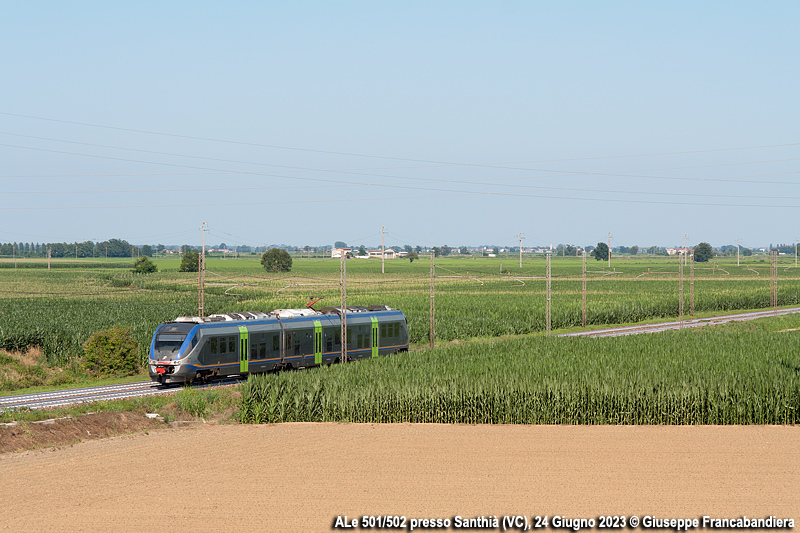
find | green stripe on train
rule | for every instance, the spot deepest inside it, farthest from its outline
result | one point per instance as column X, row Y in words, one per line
column 374, row 336
column 317, row 342
column 244, row 350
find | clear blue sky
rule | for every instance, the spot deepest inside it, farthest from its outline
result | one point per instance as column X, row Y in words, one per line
column 459, row 123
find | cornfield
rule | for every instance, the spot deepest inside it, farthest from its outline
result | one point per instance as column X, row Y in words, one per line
column 724, row 376
column 59, row 309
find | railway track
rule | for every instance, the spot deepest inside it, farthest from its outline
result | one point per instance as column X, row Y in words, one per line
column 45, row 400
column 691, row 323
column 49, row 400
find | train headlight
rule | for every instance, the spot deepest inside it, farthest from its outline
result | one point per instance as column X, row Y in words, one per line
column 153, row 369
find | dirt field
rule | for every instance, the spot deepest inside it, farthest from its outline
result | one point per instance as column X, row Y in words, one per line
column 300, row 477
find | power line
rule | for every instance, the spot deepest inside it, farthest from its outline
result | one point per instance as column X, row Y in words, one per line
column 372, row 156
column 386, row 198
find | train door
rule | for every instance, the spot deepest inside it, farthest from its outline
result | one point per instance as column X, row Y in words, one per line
column 244, row 350
column 317, row 342
column 375, row 336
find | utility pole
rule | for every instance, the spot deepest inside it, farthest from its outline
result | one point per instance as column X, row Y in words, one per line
column 547, row 311
column 383, row 250
column 583, row 299
column 680, row 290
column 433, row 300
column 691, row 285
column 685, row 249
column 609, row 249
column 521, row 236
column 795, row 252
column 737, row 251
column 202, row 272
column 343, row 308
column 48, row 258
column 773, row 282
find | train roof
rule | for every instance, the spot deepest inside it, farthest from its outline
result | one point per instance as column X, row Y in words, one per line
column 244, row 316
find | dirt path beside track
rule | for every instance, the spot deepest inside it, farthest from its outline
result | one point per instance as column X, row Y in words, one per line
column 300, row 477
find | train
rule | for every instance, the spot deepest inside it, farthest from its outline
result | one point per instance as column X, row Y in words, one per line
column 192, row 348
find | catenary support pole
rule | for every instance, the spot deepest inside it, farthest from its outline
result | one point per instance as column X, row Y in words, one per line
column 343, row 304
column 433, row 300
column 680, row 290
column 547, row 311
column 583, row 297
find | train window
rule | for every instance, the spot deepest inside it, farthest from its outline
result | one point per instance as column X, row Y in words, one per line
column 276, row 343
column 232, row 344
column 253, row 351
column 223, row 345
column 383, row 331
column 212, row 345
column 262, row 350
column 397, row 329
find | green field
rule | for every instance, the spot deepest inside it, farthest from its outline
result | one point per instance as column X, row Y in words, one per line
column 59, row 309
column 738, row 374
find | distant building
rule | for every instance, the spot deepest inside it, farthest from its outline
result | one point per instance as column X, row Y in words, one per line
column 674, row 251
column 390, row 254
column 337, row 252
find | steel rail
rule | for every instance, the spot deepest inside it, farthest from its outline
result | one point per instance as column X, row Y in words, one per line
column 60, row 398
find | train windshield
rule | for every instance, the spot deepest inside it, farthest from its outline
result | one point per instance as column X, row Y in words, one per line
column 169, row 340
column 167, row 344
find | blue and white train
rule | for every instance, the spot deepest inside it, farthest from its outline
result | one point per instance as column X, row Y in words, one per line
column 237, row 344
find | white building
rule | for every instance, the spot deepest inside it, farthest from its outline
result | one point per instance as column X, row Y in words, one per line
column 390, row 254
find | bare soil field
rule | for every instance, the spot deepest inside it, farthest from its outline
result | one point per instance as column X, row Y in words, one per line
column 300, row 477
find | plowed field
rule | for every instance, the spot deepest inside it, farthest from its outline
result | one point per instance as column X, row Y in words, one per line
column 300, row 477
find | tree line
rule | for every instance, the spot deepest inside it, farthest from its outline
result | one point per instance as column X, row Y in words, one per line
column 109, row 248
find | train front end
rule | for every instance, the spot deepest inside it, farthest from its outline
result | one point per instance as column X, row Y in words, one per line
column 171, row 352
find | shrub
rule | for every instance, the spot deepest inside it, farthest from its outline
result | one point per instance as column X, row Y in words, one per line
column 112, row 352
column 143, row 265
column 276, row 260
column 190, row 262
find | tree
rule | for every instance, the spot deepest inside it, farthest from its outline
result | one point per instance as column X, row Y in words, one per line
column 340, row 244
column 112, row 352
column 147, row 250
column 276, row 260
column 600, row 253
column 190, row 262
column 634, row 250
column 703, row 252
column 436, row 251
column 496, row 250
column 362, row 250
column 143, row 265
column 412, row 256
column 463, row 250
column 445, row 250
